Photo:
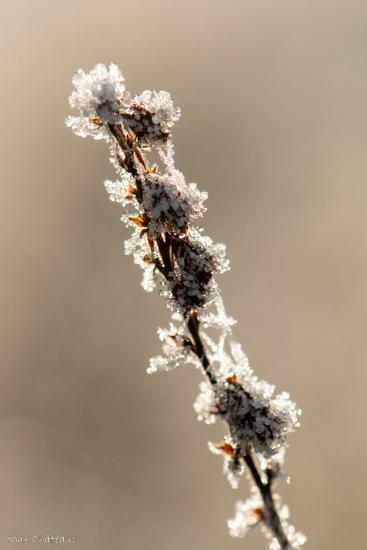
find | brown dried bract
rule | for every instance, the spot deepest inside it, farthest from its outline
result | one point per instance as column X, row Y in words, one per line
column 150, row 241
column 139, row 156
column 121, row 160
column 140, row 221
column 96, row 120
column 130, row 136
column 152, row 169
column 258, row 512
column 131, row 192
column 147, row 259
column 227, row 449
column 131, row 189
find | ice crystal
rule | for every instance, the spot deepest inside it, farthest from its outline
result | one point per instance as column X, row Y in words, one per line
column 170, row 202
column 295, row 538
column 233, row 468
column 99, row 92
column 84, row 127
column 149, row 278
column 205, row 404
column 197, row 259
column 275, row 465
column 152, row 114
column 254, row 418
column 176, row 349
column 120, row 191
column 247, row 514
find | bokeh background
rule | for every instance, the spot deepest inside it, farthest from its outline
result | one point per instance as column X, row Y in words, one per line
column 274, row 126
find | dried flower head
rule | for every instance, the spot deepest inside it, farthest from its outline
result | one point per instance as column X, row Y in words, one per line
column 150, row 116
column 170, row 202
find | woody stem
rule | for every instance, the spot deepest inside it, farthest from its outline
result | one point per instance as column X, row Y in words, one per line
column 270, row 516
column 130, row 162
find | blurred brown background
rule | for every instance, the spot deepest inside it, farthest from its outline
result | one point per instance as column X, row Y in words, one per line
column 274, row 126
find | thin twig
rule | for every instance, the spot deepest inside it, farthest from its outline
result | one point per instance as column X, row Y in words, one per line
column 270, row 514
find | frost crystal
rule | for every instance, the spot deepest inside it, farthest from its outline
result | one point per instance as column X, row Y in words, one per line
column 84, row 127
column 247, row 514
column 197, row 260
column 250, row 512
column 120, row 191
column 295, row 539
column 152, row 114
column 160, row 209
column 170, row 202
column 99, row 92
column 254, row 418
column 176, row 350
column 205, row 403
column 233, row 468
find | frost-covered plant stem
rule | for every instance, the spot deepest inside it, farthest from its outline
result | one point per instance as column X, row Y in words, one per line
column 174, row 254
column 270, row 514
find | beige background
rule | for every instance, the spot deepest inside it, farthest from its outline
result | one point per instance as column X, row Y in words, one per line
column 274, row 126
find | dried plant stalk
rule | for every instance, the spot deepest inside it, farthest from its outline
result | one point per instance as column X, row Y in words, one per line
column 162, row 210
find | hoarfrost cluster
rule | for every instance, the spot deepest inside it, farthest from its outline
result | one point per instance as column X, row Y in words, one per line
column 170, row 202
column 254, row 415
column 161, row 210
column 251, row 512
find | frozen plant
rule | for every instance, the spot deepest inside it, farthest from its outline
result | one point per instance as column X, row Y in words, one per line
column 161, row 209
